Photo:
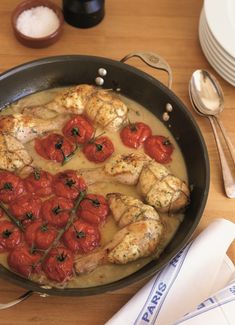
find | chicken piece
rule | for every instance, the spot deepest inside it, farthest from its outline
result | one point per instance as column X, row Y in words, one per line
column 102, row 107
column 72, row 100
column 105, row 109
column 26, row 127
column 161, row 189
column 155, row 183
column 141, row 232
column 127, row 209
column 138, row 239
column 123, row 168
column 13, row 155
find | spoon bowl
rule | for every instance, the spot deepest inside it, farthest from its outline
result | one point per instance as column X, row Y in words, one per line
column 207, row 93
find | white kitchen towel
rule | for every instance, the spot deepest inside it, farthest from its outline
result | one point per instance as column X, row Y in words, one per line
column 198, row 271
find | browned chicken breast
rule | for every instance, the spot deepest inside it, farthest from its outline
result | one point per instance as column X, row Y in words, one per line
column 122, row 168
column 105, row 109
column 155, row 183
column 13, row 155
column 127, row 209
column 161, row 189
column 102, row 107
column 26, row 127
column 140, row 233
column 72, row 100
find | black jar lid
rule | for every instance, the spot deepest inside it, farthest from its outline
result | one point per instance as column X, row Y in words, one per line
column 83, row 13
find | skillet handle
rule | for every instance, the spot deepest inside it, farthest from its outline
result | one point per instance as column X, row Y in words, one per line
column 21, row 298
column 153, row 60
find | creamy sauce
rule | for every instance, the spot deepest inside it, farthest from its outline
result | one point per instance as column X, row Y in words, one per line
column 107, row 273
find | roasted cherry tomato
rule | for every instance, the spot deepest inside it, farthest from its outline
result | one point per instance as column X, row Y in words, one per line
column 53, row 147
column 68, row 184
column 26, row 208
column 40, row 235
column 134, row 135
column 78, row 130
column 159, row 148
column 39, row 182
column 10, row 236
column 23, row 261
column 93, row 209
column 59, row 264
column 99, row 149
column 56, row 211
column 11, row 186
column 82, row 237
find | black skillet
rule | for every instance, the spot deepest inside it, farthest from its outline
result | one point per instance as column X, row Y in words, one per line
column 76, row 69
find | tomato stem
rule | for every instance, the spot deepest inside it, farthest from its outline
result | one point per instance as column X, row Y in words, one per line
column 11, row 217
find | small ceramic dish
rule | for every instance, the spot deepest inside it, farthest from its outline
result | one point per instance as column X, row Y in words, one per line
column 37, row 42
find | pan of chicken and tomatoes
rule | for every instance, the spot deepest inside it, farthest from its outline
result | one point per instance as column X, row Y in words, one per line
column 103, row 174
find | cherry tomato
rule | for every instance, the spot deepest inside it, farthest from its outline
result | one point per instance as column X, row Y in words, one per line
column 135, row 134
column 93, row 209
column 59, row 264
column 1, row 213
column 26, row 208
column 159, row 148
column 23, row 261
column 82, row 237
column 10, row 236
column 40, row 235
column 68, row 184
column 39, row 182
column 78, row 130
column 53, row 147
column 98, row 150
column 56, row 211
column 11, row 186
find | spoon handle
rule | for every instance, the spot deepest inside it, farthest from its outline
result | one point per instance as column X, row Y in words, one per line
column 229, row 182
column 226, row 138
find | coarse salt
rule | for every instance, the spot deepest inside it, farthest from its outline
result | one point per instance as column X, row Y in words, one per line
column 37, row 22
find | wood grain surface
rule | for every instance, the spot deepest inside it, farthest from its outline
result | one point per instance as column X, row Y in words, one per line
column 169, row 28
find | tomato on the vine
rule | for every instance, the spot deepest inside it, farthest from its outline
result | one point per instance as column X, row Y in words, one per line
column 40, row 235
column 58, row 266
column 56, row 211
column 68, row 184
column 26, row 208
column 99, row 149
column 54, row 147
column 78, row 130
column 93, row 209
column 23, row 261
column 10, row 236
column 82, row 237
column 134, row 135
column 11, row 186
column 159, row 148
column 39, row 182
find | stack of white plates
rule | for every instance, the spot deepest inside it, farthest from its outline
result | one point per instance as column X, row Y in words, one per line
column 217, row 36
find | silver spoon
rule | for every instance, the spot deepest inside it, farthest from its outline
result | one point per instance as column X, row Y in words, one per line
column 207, row 99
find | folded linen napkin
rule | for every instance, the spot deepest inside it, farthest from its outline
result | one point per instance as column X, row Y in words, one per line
column 198, row 271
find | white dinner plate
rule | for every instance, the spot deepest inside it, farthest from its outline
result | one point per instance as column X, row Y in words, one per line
column 220, row 16
column 213, row 42
column 217, row 53
column 214, row 61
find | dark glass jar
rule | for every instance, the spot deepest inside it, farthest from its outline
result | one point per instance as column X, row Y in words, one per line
column 83, row 13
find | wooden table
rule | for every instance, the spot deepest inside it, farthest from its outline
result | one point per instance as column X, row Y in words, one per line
column 169, row 28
